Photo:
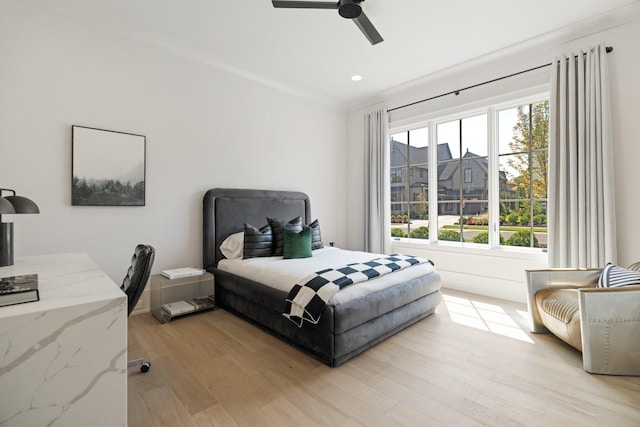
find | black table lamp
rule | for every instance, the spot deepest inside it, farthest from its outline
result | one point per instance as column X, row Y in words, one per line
column 11, row 205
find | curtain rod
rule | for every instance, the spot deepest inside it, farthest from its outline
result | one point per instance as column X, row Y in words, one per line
column 457, row 91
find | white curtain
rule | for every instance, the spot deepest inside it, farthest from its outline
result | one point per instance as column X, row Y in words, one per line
column 581, row 215
column 377, row 235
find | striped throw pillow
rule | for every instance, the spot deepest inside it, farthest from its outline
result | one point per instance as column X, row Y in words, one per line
column 613, row 276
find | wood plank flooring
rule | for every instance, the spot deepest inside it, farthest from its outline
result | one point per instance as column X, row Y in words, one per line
column 473, row 363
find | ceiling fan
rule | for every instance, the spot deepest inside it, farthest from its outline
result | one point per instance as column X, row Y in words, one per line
column 349, row 9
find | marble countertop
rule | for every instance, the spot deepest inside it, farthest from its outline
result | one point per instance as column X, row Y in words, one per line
column 63, row 280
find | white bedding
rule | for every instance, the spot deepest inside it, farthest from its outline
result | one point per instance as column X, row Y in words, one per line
column 283, row 274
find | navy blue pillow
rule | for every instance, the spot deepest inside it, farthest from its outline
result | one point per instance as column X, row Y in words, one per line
column 316, row 236
column 257, row 242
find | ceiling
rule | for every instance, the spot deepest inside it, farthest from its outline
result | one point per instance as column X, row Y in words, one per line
column 315, row 52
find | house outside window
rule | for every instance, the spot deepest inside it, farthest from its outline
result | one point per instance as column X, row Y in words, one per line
column 490, row 170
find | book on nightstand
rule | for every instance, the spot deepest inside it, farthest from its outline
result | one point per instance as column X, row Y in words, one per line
column 178, row 307
column 179, row 273
column 19, row 289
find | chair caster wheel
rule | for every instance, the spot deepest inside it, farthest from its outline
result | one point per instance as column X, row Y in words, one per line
column 145, row 367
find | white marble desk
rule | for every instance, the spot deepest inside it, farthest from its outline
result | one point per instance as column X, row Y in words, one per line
column 63, row 359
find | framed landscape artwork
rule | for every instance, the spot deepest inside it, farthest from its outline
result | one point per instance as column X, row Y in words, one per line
column 108, row 168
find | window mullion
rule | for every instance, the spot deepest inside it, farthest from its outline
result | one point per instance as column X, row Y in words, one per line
column 408, row 182
column 494, row 178
column 531, row 177
column 460, row 178
column 433, row 183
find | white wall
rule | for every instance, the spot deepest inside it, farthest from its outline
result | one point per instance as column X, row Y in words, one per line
column 503, row 276
column 205, row 128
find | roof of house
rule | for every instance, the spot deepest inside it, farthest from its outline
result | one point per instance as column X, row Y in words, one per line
column 417, row 155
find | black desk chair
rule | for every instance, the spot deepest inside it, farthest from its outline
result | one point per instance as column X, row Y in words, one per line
column 133, row 285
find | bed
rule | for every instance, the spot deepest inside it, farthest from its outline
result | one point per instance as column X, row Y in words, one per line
column 348, row 325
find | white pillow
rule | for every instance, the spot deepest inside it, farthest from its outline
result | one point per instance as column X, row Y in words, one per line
column 233, row 246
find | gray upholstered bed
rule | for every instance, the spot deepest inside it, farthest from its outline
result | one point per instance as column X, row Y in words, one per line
column 344, row 330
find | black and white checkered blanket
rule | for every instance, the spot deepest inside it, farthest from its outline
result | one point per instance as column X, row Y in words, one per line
column 307, row 301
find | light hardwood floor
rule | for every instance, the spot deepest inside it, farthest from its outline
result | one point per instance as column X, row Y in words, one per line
column 473, row 363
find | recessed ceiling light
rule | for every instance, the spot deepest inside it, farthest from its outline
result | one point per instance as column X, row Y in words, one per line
column 356, row 78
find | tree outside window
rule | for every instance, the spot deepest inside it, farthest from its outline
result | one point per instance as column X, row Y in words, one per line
column 524, row 160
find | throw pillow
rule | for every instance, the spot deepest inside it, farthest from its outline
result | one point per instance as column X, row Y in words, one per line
column 316, row 236
column 257, row 242
column 613, row 276
column 232, row 247
column 297, row 245
column 277, row 226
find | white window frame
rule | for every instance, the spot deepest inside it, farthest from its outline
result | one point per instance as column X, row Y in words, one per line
column 491, row 108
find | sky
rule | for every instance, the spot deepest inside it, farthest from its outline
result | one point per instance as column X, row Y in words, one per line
column 474, row 131
column 99, row 154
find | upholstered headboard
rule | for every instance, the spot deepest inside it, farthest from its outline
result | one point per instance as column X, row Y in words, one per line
column 225, row 210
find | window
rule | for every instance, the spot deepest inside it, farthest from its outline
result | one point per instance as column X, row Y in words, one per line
column 462, row 144
column 409, row 151
column 523, row 134
column 491, row 171
column 467, row 176
column 396, row 175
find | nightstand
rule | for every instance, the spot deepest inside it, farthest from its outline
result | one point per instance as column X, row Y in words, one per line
column 177, row 297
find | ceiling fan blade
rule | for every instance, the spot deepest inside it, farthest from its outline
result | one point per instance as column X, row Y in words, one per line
column 368, row 29
column 306, row 4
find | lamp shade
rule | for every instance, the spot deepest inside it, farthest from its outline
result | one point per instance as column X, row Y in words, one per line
column 12, row 205
column 6, row 207
column 22, row 205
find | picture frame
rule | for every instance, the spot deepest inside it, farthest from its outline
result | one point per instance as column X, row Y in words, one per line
column 108, row 168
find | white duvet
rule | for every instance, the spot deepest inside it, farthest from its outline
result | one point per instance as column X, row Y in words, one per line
column 283, row 274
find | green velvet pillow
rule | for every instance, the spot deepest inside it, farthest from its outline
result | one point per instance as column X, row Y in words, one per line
column 296, row 245
column 277, row 225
